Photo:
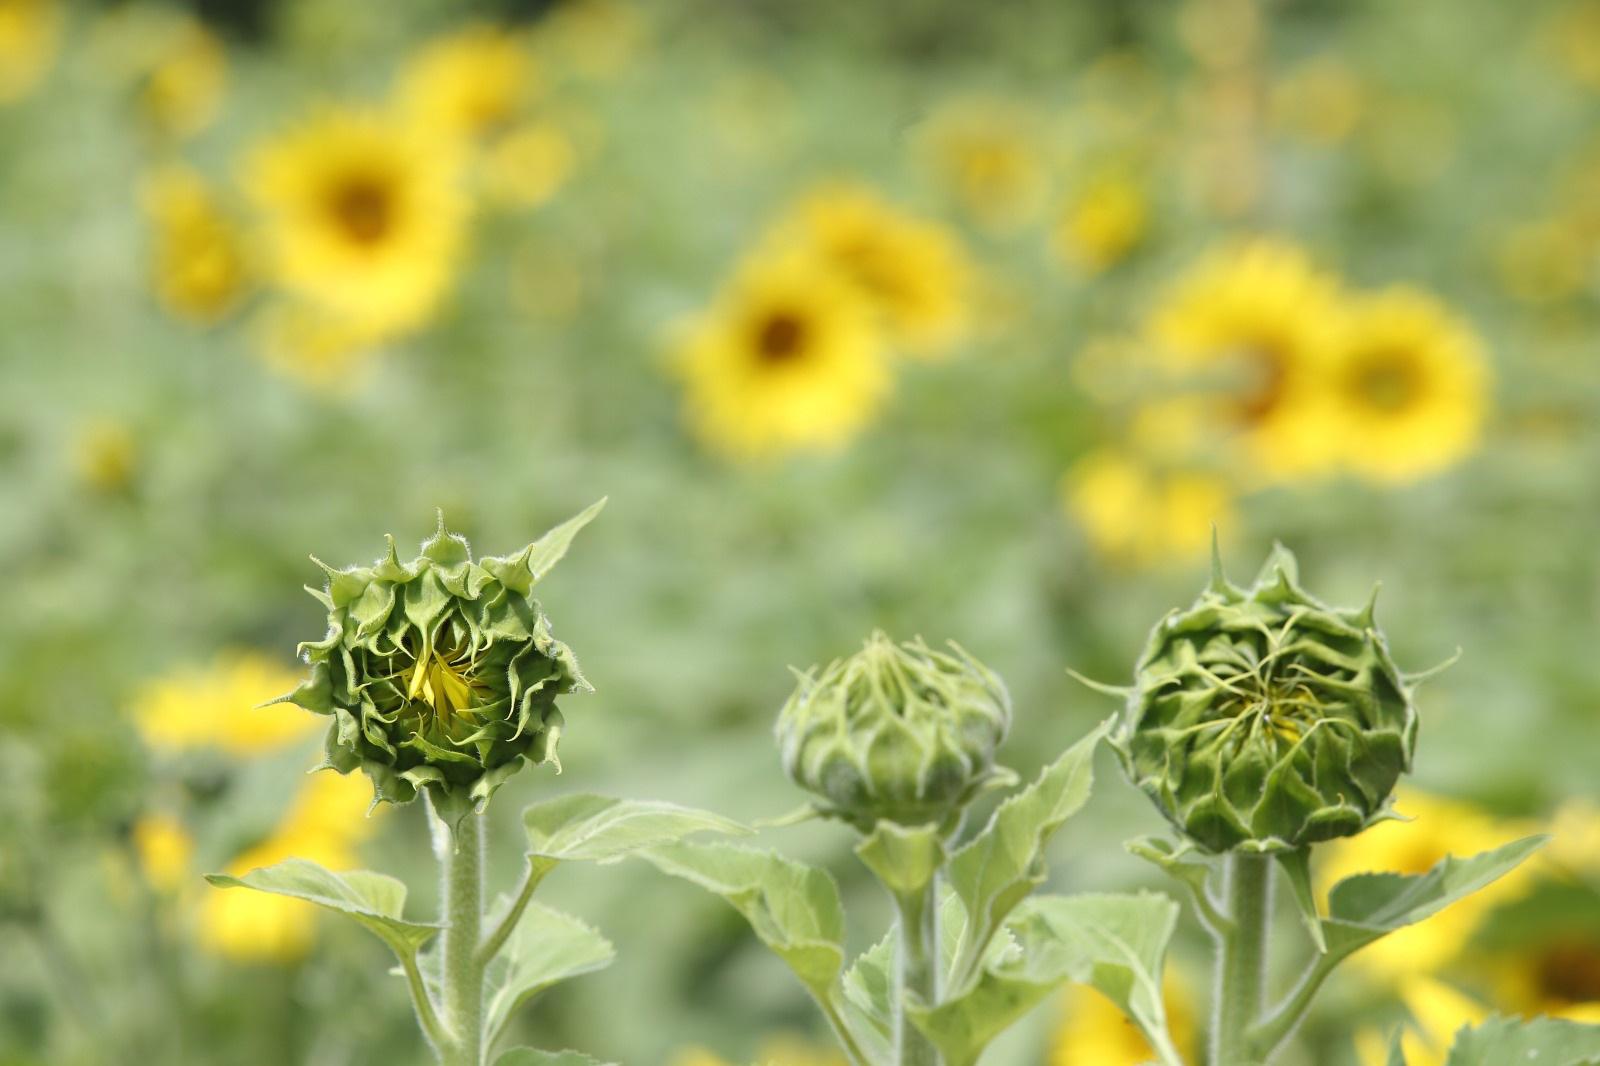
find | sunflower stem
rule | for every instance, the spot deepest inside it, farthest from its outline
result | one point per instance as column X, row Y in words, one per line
column 1242, row 961
column 916, row 970
column 462, row 859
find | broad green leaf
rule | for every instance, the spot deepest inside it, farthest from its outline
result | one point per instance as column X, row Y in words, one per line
column 592, row 828
column 1296, row 864
column 1365, row 907
column 867, row 990
column 1545, row 1041
column 793, row 908
column 373, row 899
column 1115, row 943
column 548, row 550
column 527, row 1056
column 546, row 947
column 997, row 869
column 904, row 860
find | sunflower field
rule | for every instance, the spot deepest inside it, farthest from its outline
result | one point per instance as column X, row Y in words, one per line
column 981, row 323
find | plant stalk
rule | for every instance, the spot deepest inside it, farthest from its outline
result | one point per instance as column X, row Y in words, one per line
column 917, row 970
column 463, row 969
column 1242, row 961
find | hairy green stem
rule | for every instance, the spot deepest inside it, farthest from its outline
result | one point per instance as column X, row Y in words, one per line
column 1286, row 1017
column 916, row 970
column 1241, row 961
column 463, row 969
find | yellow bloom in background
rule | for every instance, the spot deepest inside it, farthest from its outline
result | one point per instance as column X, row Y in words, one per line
column 1575, row 837
column 1558, row 976
column 1544, row 261
column 1253, row 324
column 1571, row 34
column 986, row 154
column 219, row 705
column 469, row 84
column 257, row 926
column 1438, row 827
column 318, row 349
column 914, row 273
column 183, row 91
column 365, row 217
column 1094, row 1032
column 782, row 1050
column 1136, row 515
column 1321, row 100
column 199, row 261
column 105, row 455
column 1437, row 1012
column 788, row 359
column 526, row 167
column 595, row 38
column 29, row 33
column 166, row 851
column 1409, row 386
column 325, row 824
column 1101, row 223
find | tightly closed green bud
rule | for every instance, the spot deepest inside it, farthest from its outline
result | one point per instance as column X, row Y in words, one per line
column 1264, row 720
column 897, row 732
column 441, row 673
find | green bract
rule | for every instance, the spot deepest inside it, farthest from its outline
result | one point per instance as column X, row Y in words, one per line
column 441, row 673
column 1264, row 720
column 897, row 732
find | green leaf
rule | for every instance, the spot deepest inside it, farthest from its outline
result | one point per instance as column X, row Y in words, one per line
column 1397, row 1053
column 1545, row 1041
column 1296, row 864
column 904, row 859
column 546, row 947
column 1117, row 943
column 1366, row 907
column 373, row 899
column 793, row 908
column 527, row 1056
column 584, row 826
column 997, row 869
column 866, row 992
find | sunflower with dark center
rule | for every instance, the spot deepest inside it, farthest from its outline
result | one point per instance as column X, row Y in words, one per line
column 441, row 673
column 1265, row 720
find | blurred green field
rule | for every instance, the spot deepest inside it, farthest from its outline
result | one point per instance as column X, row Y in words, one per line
column 967, row 321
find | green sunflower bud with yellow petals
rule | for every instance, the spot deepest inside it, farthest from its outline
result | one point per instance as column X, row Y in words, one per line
column 896, row 732
column 441, row 673
column 1264, row 720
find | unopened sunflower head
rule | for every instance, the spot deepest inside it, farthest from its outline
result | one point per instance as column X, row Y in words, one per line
column 441, row 673
column 898, row 732
column 1262, row 719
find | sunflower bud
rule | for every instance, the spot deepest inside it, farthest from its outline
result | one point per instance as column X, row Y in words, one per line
column 441, row 672
column 897, row 732
column 1264, row 720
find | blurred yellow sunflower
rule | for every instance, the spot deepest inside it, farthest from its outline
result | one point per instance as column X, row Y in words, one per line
column 1544, row 260
column 527, row 166
column 469, row 84
column 1135, row 514
column 1409, row 386
column 1438, row 827
column 105, row 455
column 1252, row 323
column 1094, row 1032
column 1571, row 33
column 326, row 823
column 788, row 359
column 1558, row 976
column 783, row 1050
column 1321, row 100
column 182, row 90
column 987, row 154
column 596, row 38
column 220, row 705
column 914, row 273
column 29, row 32
column 199, row 260
column 318, row 349
column 1101, row 223
column 364, row 216
column 165, row 849
column 1436, row 1011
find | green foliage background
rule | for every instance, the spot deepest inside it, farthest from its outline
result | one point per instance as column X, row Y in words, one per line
column 704, row 580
